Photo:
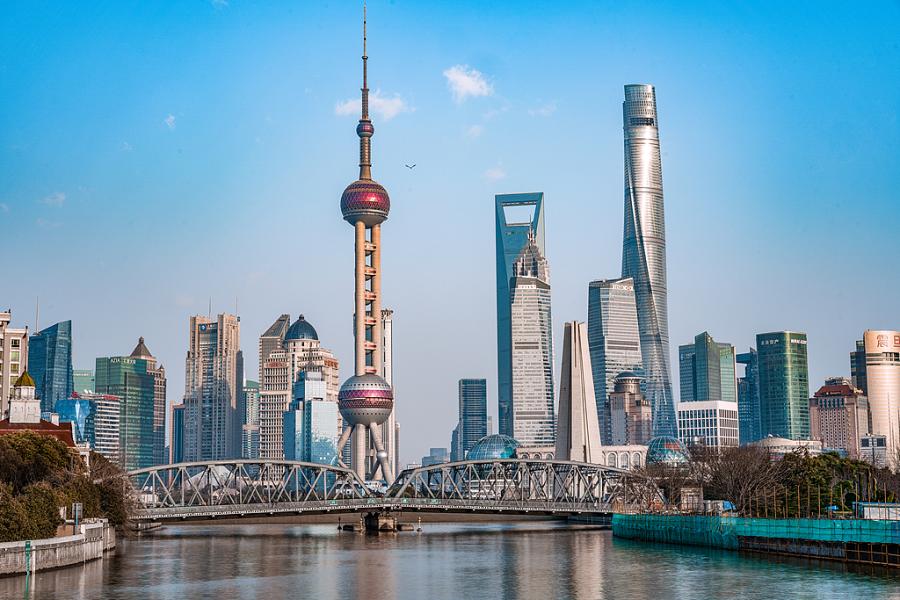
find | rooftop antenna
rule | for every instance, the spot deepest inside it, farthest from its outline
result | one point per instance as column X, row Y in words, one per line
column 209, row 310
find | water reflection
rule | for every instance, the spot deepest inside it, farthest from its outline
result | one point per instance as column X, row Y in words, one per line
column 512, row 560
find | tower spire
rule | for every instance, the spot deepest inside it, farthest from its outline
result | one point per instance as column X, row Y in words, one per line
column 365, row 129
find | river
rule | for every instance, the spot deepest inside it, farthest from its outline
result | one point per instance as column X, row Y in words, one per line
column 543, row 559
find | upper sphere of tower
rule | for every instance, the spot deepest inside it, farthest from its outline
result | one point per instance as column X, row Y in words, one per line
column 365, row 129
column 367, row 201
column 366, row 400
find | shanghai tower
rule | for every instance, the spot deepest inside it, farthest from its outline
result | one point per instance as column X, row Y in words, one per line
column 644, row 248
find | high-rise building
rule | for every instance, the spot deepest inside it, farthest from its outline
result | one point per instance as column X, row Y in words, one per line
column 13, row 358
column 389, row 427
column 631, row 416
column 366, row 400
column 436, row 456
column 644, row 249
column 84, row 381
column 309, row 425
column 614, row 340
column 250, row 428
column 883, row 385
column 272, row 339
column 212, row 388
column 301, row 352
column 707, row 370
column 858, row 367
column 50, row 364
column 472, row 416
column 133, row 382
column 519, row 222
column 783, row 385
column 710, row 423
column 455, row 448
column 748, row 398
column 95, row 421
column 159, row 400
column 839, row 416
column 176, row 445
column 578, row 431
column 532, row 411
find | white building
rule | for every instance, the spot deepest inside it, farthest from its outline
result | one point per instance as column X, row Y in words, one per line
column 578, row 431
column 883, row 388
column 711, row 423
column 13, row 358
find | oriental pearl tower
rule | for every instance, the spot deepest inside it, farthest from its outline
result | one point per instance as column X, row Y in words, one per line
column 366, row 399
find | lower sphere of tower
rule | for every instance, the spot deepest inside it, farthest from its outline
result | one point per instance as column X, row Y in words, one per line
column 366, row 400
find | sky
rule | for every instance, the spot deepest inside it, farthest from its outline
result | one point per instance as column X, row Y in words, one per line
column 157, row 158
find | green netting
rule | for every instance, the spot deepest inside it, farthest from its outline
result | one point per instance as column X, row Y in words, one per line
column 723, row 532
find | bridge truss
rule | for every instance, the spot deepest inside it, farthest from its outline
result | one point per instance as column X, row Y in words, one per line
column 247, row 488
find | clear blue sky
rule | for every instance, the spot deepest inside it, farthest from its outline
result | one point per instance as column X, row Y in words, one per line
column 154, row 155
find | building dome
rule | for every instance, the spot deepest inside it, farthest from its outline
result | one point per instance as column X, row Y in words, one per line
column 367, row 201
column 24, row 380
column 666, row 450
column 628, row 375
column 493, row 446
column 366, row 400
column 301, row 330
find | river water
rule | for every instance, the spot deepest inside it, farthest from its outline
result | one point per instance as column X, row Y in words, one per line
column 544, row 559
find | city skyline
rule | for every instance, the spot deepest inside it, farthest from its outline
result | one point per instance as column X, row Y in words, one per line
column 760, row 287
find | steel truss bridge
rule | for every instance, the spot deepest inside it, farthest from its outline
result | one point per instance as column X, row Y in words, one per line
column 258, row 488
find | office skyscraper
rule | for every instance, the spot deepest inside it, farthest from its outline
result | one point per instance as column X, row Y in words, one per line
column 883, row 385
column 644, row 248
column 472, row 416
column 133, row 382
column 533, row 419
column 50, row 364
column 783, row 385
column 84, row 381
column 519, row 217
column 159, row 400
column 211, row 419
column 630, row 414
column 749, row 423
column 858, row 367
column 13, row 357
column 578, row 432
column 614, row 341
column 250, row 428
column 309, row 425
column 706, row 370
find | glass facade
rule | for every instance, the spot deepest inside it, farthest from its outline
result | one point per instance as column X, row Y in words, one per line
column 494, row 446
column 76, row 411
column 613, row 340
column 129, row 379
column 472, row 415
column 858, row 367
column 644, row 249
column 518, row 217
column 706, row 370
column 713, row 424
column 177, row 446
column 668, row 450
column 783, row 385
column 748, row 398
column 50, row 364
column 84, row 381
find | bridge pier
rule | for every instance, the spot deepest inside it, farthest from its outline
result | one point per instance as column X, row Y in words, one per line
column 380, row 521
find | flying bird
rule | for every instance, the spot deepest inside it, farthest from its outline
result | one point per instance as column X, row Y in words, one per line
column 411, row 167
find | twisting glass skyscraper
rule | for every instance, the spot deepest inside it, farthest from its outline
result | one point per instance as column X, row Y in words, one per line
column 644, row 248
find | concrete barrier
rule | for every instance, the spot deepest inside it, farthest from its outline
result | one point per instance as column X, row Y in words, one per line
column 90, row 543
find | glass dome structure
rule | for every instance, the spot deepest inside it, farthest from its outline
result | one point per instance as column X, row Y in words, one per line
column 493, row 446
column 666, row 450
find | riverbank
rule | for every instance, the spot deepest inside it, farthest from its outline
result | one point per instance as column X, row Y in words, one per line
column 29, row 556
column 859, row 541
